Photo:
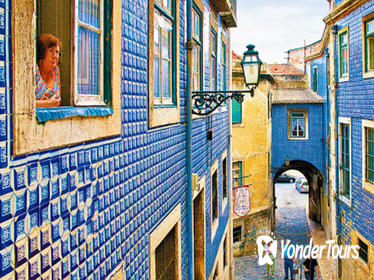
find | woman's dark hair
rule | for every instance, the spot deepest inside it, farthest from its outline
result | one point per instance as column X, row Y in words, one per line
column 44, row 42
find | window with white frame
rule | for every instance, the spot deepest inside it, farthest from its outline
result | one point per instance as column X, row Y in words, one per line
column 223, row 65
column 315, row 78
column 297, row 124
column 368, row 33
column 197, row 81
column 163, row 52
column 345, row 158
column 224, row 178
column 213, row 59
column 85, row 32
column 343, row 53
column 214, row 194
column 368, row 155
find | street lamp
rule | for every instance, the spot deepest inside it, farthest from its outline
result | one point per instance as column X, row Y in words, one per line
column 205, row 102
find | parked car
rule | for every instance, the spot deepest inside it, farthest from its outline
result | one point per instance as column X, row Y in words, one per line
column 285, row 178
column 302, row 185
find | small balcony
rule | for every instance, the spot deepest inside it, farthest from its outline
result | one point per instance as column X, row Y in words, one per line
column 227, row 11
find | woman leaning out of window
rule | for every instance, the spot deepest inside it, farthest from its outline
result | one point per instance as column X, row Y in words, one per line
column 47, row 78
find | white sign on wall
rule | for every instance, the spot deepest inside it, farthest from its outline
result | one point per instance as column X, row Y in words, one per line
column 242, row 203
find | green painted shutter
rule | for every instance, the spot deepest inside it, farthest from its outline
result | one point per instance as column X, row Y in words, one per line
column 236, row 111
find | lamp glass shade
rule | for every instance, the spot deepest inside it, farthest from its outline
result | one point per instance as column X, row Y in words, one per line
column 251, row 66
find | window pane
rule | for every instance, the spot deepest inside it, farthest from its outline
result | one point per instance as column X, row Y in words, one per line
column 166, row 44
column 370, row 26
column 156, row 65
column 156, row 39
column 88, row 61
column 89, row 12
column 166, row 72
column 370, row 46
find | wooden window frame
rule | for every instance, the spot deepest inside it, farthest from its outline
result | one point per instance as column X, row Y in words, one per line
column 289, row 112
column 31, row 136
column 241, row 234
column 214, row 220
column 213, row 53
column 343, row 77
column 367, row 73
column 224, row 198
column 240, row 172
column 164, row 114
column 367, row 185
column 198, row 40
column 343, row 197
column 315, row 78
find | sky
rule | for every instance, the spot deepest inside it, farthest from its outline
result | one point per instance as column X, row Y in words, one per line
column 275, row 26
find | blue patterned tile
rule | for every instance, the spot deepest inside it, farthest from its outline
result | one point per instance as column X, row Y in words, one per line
column 34, row 268
column 72, row 181
column 6, row 207
column 5, row 183
column 20, row 250
column 34, row 245
column 20, row 200
column 73, row 240
column 65, row 184
column 6, row 261
column 33, row 197
column 73, row 201
column 45, row 234
column 56, row 273
column 55, row 188
column 73, row 161
column 55, row 252
column 46, row 169
column 44, row 214
column 45, row 260
column 44, row 192
column 33, row 219
column 65, row 267
column 6, row 234
column 55, row 231
column 20, row 227
column 64, row 164
column 65, row 246
column 73, row 260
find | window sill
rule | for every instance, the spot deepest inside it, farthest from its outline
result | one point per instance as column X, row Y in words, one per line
column 344, row 79
column 368, row 75
column 369, row 187
column 56, row 113
column 345, row 199
column 298, row 139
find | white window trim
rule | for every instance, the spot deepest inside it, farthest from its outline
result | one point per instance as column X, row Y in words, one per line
column 343, row 198
column 344, row 78
column 368, row 187
column 366, row 74
column 306, row 137
column 224, row 199
column 214, row 223
column 29, row 135
column 85, row 99
column 315, row 67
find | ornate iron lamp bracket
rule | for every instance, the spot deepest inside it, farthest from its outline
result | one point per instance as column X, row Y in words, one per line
column 206, row 102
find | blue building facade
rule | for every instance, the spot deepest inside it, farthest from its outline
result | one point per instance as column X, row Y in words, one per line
column 353, row 95
column 298, row 132
column 106, row 206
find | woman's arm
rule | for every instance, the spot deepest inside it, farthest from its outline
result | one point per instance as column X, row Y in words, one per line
column 48, row 103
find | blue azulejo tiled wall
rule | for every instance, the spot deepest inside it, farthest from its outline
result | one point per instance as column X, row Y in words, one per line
column 84, row 211
column 354, row 100
column 310, row 149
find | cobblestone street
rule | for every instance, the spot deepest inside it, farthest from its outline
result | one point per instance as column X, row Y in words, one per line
column 291, row 223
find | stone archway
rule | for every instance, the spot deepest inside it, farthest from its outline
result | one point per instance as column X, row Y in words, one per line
column 315, row 181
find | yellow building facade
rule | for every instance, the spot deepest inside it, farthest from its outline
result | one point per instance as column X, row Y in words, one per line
column 251, row 158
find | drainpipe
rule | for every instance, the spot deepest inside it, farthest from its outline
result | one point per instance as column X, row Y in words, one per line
column 190, row 273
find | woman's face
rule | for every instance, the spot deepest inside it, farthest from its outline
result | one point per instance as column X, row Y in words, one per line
column 51, row 57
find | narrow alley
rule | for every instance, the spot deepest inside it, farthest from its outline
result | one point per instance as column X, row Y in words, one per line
column 291, row 223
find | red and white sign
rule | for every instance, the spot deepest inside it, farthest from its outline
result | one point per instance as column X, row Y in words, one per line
column 242, row 203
